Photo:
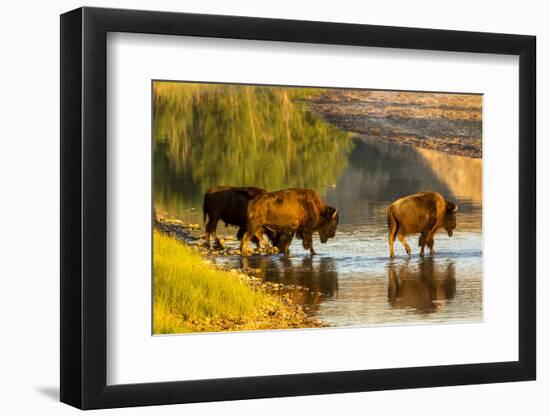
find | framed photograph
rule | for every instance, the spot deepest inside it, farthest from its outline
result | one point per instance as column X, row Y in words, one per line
column 257, row 208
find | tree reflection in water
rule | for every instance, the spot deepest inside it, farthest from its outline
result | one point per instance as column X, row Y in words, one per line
column 241, row 135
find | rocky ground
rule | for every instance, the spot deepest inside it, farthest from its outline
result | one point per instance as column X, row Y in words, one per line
column 450, row 123
column 190, row 235
column 281, row 316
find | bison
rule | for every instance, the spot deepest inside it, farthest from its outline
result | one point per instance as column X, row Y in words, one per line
column 423, row 213
column 296, row 211
column 229, row 205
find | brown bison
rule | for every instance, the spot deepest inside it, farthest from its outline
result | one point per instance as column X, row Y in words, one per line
column 423, row 213
column 229, row 205
column 288, row 212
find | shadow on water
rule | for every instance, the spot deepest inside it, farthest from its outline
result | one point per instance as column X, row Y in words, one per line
column 380, row 172
column 423, row 286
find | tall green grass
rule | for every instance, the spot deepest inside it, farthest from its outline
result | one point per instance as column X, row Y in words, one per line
column 191, row 295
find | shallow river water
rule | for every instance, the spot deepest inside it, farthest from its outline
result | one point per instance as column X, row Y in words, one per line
column 352, row 281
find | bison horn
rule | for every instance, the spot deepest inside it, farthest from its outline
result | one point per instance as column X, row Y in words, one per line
column 335, row 213
column 456, row 208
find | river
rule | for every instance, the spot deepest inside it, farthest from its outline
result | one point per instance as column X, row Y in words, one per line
column 352, row 281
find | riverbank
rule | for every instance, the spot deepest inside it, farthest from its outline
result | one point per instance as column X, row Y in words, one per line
column 449, row 123
column 192, row 295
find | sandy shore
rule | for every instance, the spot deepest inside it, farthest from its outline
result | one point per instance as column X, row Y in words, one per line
column 449, row 123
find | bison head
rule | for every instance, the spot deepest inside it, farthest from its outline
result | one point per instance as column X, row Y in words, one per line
column 328, row 223
column 450, row 217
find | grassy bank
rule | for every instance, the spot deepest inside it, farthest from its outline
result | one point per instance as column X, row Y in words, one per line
column 191, row 295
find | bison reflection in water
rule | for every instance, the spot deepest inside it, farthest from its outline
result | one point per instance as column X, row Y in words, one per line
column 297, row 211
column 423, row 213
column 307, row 281
column 424, row 287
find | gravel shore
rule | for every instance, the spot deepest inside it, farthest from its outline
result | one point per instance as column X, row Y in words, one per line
column 450, row 123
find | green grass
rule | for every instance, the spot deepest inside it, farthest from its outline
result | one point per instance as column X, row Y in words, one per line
column 191, row 295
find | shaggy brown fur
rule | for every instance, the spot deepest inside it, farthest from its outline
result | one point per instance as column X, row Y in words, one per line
column 294, row 211
column 229, row 205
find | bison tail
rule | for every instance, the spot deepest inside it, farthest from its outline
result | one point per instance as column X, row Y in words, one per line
column 393, row 226
column 391, row 219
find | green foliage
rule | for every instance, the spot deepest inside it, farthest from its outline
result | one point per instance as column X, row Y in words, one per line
column 215, row 134
column 191, row 295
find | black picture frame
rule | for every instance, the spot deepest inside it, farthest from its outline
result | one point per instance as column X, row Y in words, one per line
column 84, row 207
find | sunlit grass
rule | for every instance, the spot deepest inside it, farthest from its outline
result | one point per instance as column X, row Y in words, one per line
column 192, row 295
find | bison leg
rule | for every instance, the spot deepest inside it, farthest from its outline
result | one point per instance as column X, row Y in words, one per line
column 219, row 244
column 211, row 230
column 403, row 241
column 256, row 241
column 244, row 243
column 241, row 232
column 427, row 238
column 307, row 243
column 286, row 240
column 275, row 238
column 250, row 234
column 431, row 246
column 281, row 240
column 422, row 241
column 260, row 238
column 253, row 238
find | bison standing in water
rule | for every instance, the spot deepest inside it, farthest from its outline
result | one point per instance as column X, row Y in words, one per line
column 423, row 213
column 229, row 205
column 288, row 212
